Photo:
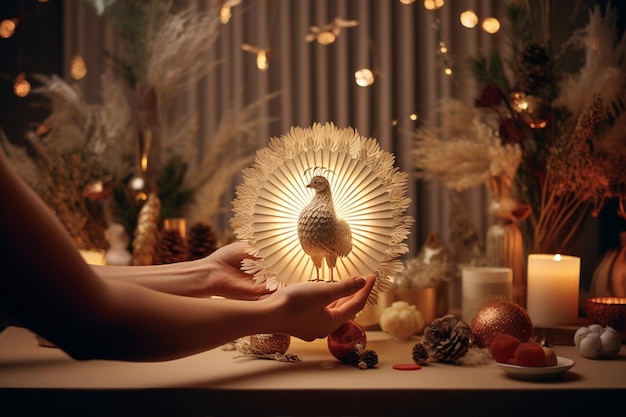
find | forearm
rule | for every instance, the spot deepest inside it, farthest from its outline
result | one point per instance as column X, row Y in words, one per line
column 184, row 278
column 146, row 325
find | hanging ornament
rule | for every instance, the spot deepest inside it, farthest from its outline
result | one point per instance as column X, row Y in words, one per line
column 327, row 34
column 366, row 226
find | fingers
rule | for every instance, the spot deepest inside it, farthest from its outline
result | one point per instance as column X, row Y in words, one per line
column 360, row 288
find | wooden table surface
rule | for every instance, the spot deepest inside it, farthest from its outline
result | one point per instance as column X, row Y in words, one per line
column 44, row 381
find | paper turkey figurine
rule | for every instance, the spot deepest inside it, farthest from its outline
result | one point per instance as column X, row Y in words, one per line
column 322, row 203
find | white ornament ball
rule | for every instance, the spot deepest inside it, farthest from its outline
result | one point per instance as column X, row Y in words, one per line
column 590, row 346
column 595, row 341
column 401, row 320
column 611, row 342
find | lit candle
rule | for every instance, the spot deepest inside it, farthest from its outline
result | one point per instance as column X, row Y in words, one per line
column 552, row 298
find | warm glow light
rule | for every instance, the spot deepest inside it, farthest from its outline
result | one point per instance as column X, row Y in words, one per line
column 225, row 14
column 491, row 25
column 407, row 1
column 136, row 183
column 443, row 48
column 447, row 71
column 7, row 28
column 21, row 87
column 93, row 257
column 553, row 282
column 326, row 37
column 469, row 19
column 78, row 68
column 413, row 116
column 261, row 61
column 433, row 4
column 364, row 77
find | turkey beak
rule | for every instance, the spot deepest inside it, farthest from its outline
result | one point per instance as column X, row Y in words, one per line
column 310, row 185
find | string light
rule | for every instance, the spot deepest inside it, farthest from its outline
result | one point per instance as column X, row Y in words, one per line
column 78, row 68
column 21, row 87
column 262, row 55
column 468, row 19
column 491, row 25
column 407, row 1
column 433, row 4
column 226, row 10
column 364, row 77
column 7, row 28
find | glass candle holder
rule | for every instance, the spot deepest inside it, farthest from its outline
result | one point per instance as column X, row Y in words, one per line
column 608, row 311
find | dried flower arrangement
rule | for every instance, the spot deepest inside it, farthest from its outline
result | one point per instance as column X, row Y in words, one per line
column 166, row 50
column 557, row 138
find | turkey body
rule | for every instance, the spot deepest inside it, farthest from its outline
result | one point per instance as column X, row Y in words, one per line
column 322, row 235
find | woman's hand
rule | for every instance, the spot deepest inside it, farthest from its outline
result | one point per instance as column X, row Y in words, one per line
column 312, row 310
column 225, row 277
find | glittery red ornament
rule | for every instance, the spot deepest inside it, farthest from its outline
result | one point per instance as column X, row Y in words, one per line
column 501, row 317
column 349, row 337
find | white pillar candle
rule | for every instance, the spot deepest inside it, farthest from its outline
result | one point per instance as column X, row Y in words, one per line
column 552, row 298
column 483, row 285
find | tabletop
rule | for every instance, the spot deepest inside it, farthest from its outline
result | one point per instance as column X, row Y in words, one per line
column 36, row 380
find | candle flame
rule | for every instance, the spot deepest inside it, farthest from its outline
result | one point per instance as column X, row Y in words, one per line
column 557, row 258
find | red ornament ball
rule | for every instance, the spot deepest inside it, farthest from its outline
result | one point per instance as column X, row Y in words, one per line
column 348, row 338
column 501, row 317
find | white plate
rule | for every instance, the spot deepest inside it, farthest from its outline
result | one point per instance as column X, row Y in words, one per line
column 538, row 372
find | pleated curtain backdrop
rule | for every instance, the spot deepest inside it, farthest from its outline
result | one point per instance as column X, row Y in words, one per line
column 315, row 83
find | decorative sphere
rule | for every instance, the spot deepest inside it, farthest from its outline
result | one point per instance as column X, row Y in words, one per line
column 270, row 343
column 348, row 338
column 501, row 317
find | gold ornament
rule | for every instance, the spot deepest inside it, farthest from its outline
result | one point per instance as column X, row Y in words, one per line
column 147, row 232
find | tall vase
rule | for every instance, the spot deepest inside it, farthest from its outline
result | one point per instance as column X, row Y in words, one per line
column 504, row 247
column 504, row 241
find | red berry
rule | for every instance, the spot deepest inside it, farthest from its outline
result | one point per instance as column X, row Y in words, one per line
column 503, row 347
column 530, row 354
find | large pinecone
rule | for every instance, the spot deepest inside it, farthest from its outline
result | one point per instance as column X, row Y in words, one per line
column 447, row 339
column 533, row 69
column 172, row 248
column 202, row 241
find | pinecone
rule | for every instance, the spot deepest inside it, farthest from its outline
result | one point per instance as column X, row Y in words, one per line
column 353, row 357
column 420, row 354
column 171, row 248
column 447, row 338
column 533, row 72
column 202, row 241
column 369, row 359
